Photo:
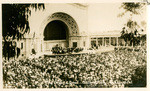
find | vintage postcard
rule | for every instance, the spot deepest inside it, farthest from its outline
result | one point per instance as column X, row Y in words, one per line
column 74, row 45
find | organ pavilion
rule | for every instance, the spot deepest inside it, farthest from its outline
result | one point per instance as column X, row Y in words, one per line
column 66, row 25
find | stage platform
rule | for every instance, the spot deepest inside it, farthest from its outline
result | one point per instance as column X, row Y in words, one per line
column 68, row 54
column 98, row 51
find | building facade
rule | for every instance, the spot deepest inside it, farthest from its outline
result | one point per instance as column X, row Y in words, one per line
column 73, row 25
column 67, row 25
column 63, row 24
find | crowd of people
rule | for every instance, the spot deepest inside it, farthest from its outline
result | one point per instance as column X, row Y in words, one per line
column 63, row 50
column 10, row 49
column 105, row 70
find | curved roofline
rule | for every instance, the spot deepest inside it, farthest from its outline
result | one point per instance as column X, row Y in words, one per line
column 80, row 5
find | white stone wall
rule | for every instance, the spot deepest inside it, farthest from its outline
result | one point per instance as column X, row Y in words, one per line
column 40, row 18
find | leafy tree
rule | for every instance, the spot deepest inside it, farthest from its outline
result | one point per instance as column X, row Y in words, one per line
column 133, row 8
column 15, row 19
column 15, row 23
column 131, row 34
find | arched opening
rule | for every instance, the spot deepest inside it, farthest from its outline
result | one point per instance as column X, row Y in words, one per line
column 61, row 29
column 56, row 30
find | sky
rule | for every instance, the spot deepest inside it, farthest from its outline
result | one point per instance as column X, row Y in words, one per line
column 104, row 17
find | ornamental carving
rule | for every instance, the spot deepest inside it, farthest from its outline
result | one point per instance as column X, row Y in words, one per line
column 71, row 23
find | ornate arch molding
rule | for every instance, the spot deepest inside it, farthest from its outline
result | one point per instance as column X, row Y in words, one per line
column 68, row 20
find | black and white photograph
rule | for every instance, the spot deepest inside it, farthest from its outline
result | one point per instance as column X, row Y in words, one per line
column 74, row 45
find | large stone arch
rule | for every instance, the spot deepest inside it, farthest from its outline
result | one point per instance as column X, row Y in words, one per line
column 78, row 30
column 73, row 30
column 64, row 17
column 68, row 20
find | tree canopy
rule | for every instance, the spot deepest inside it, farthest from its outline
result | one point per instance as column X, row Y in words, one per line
column 15, row 19
column 132, row 7
column 131, row 32
column 14, row 25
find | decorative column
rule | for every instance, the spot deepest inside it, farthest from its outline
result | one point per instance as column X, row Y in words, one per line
column 43, row 44
column 109, row 41
column 38, row 44
column 103, row 41
column 117, row 41
column 89, row 42
column 28, row 45
column 70, row 43
column 96, row 41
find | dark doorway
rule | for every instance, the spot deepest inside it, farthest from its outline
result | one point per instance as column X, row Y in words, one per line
column 74, row 44
column 56, row 30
